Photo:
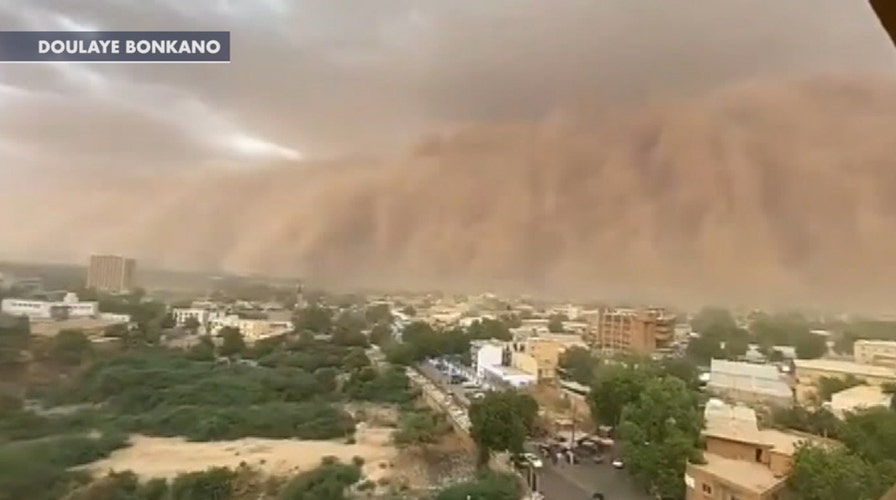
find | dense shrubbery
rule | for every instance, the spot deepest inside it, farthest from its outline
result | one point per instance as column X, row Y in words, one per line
column 419, row 340
column 166, row 393
column 420, row 427
column 327, row 482
column 39, row 469
column 490, row 486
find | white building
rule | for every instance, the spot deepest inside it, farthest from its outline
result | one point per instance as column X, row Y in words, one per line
column 749, row 383
column 181, row 315
column 69, row 307
column 486, row 353
column 506, row 377
column 860, row 397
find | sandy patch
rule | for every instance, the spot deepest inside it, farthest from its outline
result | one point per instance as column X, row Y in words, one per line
column 152, row 457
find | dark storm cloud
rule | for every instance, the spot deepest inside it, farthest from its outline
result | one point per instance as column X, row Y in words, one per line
column 324, row 77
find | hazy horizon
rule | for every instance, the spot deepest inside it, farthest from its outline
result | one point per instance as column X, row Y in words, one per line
column 732, row 152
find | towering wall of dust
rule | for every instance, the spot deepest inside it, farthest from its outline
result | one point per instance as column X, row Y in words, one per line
column 770, row 190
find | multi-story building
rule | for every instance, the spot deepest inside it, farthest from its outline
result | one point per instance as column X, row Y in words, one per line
column 111, row 273
column 635, row 331
column 808, row 372
column 486, row 353
column 875, row 352
column 742, row 461
column 251, row 329
column 69, row 307
column 540, row 355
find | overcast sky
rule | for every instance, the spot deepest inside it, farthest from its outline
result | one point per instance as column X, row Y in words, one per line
column 313, row 78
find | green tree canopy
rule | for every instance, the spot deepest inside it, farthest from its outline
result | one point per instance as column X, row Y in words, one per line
column 314, row 318
column 501, row 421
column 660, row 432
column 616, row 387
column 232, row 343
column 579, row 364
column 555, row 323
column 825, row 474
column 71, row 347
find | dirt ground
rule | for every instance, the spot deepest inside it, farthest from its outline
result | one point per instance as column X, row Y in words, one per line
column 152, row 457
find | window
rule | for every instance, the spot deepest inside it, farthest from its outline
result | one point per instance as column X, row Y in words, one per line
column 707, row 489
column 759, row 454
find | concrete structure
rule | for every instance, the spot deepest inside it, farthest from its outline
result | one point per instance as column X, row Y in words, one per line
column 809, row 371
column 742, row 461
column 251, row 329
column 632, row 331
column 540, row 355
column 749, row 383
column 858, row 398
column 875, row 352
column 486, row 353
column 111, row 273
column 69, row 307
column 506, row 377
column 181, row 315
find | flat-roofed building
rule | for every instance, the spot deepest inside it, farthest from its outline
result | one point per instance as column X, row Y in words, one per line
column 69, row 307
column 506, row 377
column 635, row 331
column 749, row 383
column 860, row 397
column 540, row 355
column 808, row 373
column 875, row 352
column 742, row 461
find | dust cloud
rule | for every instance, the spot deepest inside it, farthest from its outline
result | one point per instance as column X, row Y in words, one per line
column 764, row 191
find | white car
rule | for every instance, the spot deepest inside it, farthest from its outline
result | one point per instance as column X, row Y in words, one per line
column 618, row 463
column 533, row 460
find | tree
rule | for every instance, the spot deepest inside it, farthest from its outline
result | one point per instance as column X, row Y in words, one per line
column 314, row 318
column 660, row 433
column 192, row 324
column 204, row 350
column 828, row 386
column 810, row 346
column 71, row 347
column 355, row 360
column 736, row 346
column 14, row 335
column 500, row 421
column 420, row 427
column 488, row 329
column 555, row 323
column 378, row 313
column 704, row 349
column 409, row 311
column 232, row 342
column 713, row 322
column 380, row 333
column 616, row 387
column 579, row 365
column 821, row 474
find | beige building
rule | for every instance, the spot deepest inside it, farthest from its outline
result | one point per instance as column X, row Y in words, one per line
column 111, row 273
column 858, row 398
column 808, row 372
column 633, row 331
column 875, row 352
column 743, row 462
column 540, row 355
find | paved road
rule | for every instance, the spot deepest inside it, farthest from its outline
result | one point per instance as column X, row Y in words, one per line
column 580, row 481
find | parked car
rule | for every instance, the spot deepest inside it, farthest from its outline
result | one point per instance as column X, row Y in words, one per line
column 618, row 463
column 533, row 460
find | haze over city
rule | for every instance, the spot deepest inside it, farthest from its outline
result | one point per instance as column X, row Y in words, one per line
column 735, row 152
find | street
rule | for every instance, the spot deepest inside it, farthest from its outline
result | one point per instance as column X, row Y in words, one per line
column 564, row 481
column 574, row 482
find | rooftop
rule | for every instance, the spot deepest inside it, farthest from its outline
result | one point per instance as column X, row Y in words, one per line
column 744, row 475
column 844, row 367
